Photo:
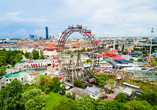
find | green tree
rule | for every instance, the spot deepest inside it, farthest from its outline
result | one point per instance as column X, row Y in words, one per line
column 121, row 97
column 78, row 83
column 62, row 90
column 42, row 57
column 65, row 105
column 56, row 84
column 85, row 103
column 123, row 48
column 109, row 105
column 140, row 60
column 2, row 70
column 116, row 46
column 13, row 62
column 88, row 60
column 11, row 96
column 35, row 100
column 2, row 58
column 27, row 55
column 154, row 63
column 43, row 82
column 124, row 53
column 18, row 57
column 100, row 78
column 75, row 51
column 35, row 54
column 138, row 105
column 131, row 59
column 151, row 98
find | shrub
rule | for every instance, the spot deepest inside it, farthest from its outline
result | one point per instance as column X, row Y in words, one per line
column 124, row 53
column 131, row 59
column 62, row 90
column 68, row 95
column 140, row 60
column 121, row 97
column 154, row 63
column 78, row 83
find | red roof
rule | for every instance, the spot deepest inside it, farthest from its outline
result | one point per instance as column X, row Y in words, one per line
column 55, row 58
column 119, row 58
column 35, row 73
column 50, row 49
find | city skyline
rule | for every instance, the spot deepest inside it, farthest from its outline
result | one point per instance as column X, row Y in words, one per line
column 105, row 18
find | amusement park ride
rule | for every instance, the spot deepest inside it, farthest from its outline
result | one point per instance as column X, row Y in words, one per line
column 75, row 70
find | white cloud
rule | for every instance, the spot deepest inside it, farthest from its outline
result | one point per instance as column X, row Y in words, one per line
column 14, row 16
column 20, row 31
column 103, row 17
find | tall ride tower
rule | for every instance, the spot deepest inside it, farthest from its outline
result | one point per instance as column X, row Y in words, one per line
column 151, row 44
column 10, row 34
column 47, row 35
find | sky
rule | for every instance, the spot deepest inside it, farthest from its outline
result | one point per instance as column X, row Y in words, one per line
column 105, row 18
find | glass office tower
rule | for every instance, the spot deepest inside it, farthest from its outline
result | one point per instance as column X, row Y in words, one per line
column 46, row 29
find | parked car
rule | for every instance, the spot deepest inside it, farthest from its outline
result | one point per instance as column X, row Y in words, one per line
column 92, row 80
column 85, row 85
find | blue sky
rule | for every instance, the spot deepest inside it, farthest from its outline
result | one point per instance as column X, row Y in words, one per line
column 106, row 18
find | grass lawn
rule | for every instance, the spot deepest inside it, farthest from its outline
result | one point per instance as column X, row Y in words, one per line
column 53, row 99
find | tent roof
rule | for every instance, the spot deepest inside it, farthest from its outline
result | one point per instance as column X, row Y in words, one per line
column 119, row 58
column 123, row 61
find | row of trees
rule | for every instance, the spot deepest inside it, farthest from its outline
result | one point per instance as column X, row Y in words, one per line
column 34, row 55
column 11, row 98
column 82, row 50
column 9, row 57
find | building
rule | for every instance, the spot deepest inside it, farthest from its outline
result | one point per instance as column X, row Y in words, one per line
column 40, row 38
column 35, row 37
column 30, row 36
column 50, row 37
column 47, row 35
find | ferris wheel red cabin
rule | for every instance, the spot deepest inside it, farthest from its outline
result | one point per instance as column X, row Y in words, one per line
column 64, row 33
column 88, row 31
column 95, row 42
column 79, row 26
column 97, row 70
column 70, row 27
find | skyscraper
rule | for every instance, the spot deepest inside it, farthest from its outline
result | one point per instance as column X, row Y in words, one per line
column 46, row 29
column 35, row 37
column 30, row 36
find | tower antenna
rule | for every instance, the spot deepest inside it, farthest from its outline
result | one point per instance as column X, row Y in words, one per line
column 10, row 34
